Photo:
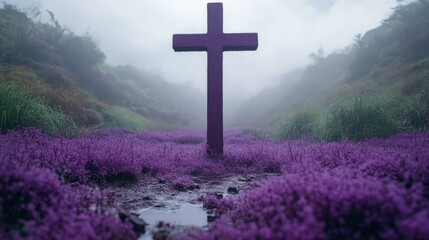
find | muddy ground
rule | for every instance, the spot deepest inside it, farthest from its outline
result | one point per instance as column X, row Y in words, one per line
column 157, row 200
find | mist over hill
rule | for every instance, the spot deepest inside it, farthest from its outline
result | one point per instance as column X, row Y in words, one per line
column 377, row 86
column 52, row 78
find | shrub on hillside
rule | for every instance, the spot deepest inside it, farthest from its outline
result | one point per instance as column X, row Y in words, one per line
column 358, row 119
column 18, row 109
column 363, row 56
column 80, row 52
column 122, row 117
column 415, row 115
column 300, row 124
column 74, row 103
column 410, row 19
column 16, row 31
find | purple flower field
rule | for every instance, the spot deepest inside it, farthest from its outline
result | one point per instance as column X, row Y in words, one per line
column 51, row 187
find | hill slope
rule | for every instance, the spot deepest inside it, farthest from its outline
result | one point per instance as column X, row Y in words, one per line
column 54, row 72
column 378, row 86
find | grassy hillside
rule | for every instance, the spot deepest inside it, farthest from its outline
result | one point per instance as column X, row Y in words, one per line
column 375, row 88
column 58, row 81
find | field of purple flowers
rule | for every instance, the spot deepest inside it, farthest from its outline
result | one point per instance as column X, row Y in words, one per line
column 378, row 189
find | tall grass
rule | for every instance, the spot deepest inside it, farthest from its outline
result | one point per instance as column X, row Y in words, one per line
column 414, row 113
column 122, row 117
column 12, row 108
column 299, row 124
column 357, row 119
column 18, row 109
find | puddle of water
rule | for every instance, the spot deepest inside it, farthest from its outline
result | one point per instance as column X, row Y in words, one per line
column 175, row 207
column 184, row 214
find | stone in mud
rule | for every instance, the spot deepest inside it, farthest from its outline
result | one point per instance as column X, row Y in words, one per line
column 121, row 179
column 232, row 190
column 211, row 217
column 218, row 195
column 139, row 225
column 194, row 187
column 180, row 187
column 161, row 235
column 163, row 231
column 162, row 181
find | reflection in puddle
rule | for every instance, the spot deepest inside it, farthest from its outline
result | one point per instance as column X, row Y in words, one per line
column 186, row 215
column 182, row 214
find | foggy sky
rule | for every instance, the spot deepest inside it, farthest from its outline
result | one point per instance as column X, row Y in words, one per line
column 139, row 32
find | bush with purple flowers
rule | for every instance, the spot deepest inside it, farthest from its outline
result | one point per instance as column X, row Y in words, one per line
column 322, row 206
column 34, row 204
column 378, row 189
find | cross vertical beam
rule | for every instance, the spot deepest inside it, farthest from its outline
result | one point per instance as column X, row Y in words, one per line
column 215, row 42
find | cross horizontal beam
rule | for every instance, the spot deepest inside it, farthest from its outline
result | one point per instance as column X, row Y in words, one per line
column 228, row 42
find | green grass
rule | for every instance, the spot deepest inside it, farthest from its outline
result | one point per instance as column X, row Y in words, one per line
column 256, row 132
column 357, row 119
column 12, row 108
column 122, row 117
column 18, row 109
column 413, row 111
column 299, row 124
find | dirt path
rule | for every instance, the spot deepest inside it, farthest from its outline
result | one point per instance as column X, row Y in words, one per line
column 156, row 200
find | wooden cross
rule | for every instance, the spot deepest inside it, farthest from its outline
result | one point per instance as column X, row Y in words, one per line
column 215, row 42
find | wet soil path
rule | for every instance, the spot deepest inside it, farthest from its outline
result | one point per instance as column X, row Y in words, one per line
column 156, row 200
